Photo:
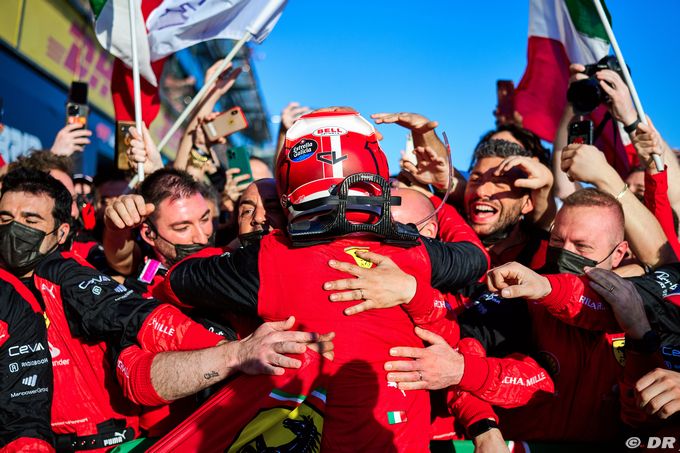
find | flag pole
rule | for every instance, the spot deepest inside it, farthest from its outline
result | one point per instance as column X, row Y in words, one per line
column 626, row 74
column 208, row 84
column 135, row 83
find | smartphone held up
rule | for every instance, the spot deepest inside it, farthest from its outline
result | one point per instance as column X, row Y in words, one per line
column 123, row 138
column 505, row 108
column 76, row 106
column 581, row 132
column 226, row 123
column 238, row 157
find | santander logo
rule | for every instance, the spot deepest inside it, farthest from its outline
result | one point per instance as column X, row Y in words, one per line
column 56, row 352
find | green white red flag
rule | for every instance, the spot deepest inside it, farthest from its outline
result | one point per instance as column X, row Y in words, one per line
column 167, row 26
column 561, row 32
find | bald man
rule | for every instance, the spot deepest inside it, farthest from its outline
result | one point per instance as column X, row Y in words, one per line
column 416, row 208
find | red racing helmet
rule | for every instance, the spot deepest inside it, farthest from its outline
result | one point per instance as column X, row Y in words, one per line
column 320, row 151
column 332, row 178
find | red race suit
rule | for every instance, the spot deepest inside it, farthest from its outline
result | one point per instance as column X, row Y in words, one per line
column 363, row 411
column 25, row 372
column 89, row 317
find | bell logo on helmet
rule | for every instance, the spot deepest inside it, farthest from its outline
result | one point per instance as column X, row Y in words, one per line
column 327, row 131
column 302, row 150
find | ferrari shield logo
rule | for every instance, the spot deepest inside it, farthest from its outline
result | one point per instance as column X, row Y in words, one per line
column 352, row 251
column 282, row 429
column 618, row 349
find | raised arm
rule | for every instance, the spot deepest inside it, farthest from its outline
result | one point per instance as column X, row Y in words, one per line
column 424, row 135
column 120, row 220
column 563, row 185
column 648, row 142
column 565, row 296
column 221, row 86
column 643, row 232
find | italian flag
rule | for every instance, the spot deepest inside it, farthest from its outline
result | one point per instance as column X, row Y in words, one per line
column 112, row 27
column 396, row 417
column 163, row 27
column 561, row 32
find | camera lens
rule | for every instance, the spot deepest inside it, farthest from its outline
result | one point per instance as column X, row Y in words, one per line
column 585, row 95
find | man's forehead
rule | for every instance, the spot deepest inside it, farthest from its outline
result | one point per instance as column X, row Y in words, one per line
column 251, row 196
column 487, row 165
column 19, row 198
column 181, row 206
column 63, row 178
column 23, row 202
column 584, row 219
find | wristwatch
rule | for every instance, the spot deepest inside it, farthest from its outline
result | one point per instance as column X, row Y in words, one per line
column 632, row 126
column 480, row 427
column 648, row 344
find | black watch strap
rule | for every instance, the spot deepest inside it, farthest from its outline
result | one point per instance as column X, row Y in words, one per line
column 648, row 344
column 480, row 427
column 632, row 126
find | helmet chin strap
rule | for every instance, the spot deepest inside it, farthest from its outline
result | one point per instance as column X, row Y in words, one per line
column 333, row 222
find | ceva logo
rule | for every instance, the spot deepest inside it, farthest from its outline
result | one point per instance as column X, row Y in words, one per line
column 25, row 349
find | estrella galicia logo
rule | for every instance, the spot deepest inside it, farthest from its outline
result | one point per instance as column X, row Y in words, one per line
column 302, row 150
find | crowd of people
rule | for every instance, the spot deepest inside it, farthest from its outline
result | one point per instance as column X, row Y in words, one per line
column 536, row 299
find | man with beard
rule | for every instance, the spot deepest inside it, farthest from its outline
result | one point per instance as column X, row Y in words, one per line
column 332, row 179
column 88, row 315
column 259, row 211
column 585, row 364
column 174, row 221
column 508, row 202
column 79, row 242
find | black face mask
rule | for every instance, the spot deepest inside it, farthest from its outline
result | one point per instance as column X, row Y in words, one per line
column 20, row 247
column 499, row 235
column 561, row 261
column 183, row 250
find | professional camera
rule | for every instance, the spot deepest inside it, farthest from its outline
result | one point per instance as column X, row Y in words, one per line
column 585, row 95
